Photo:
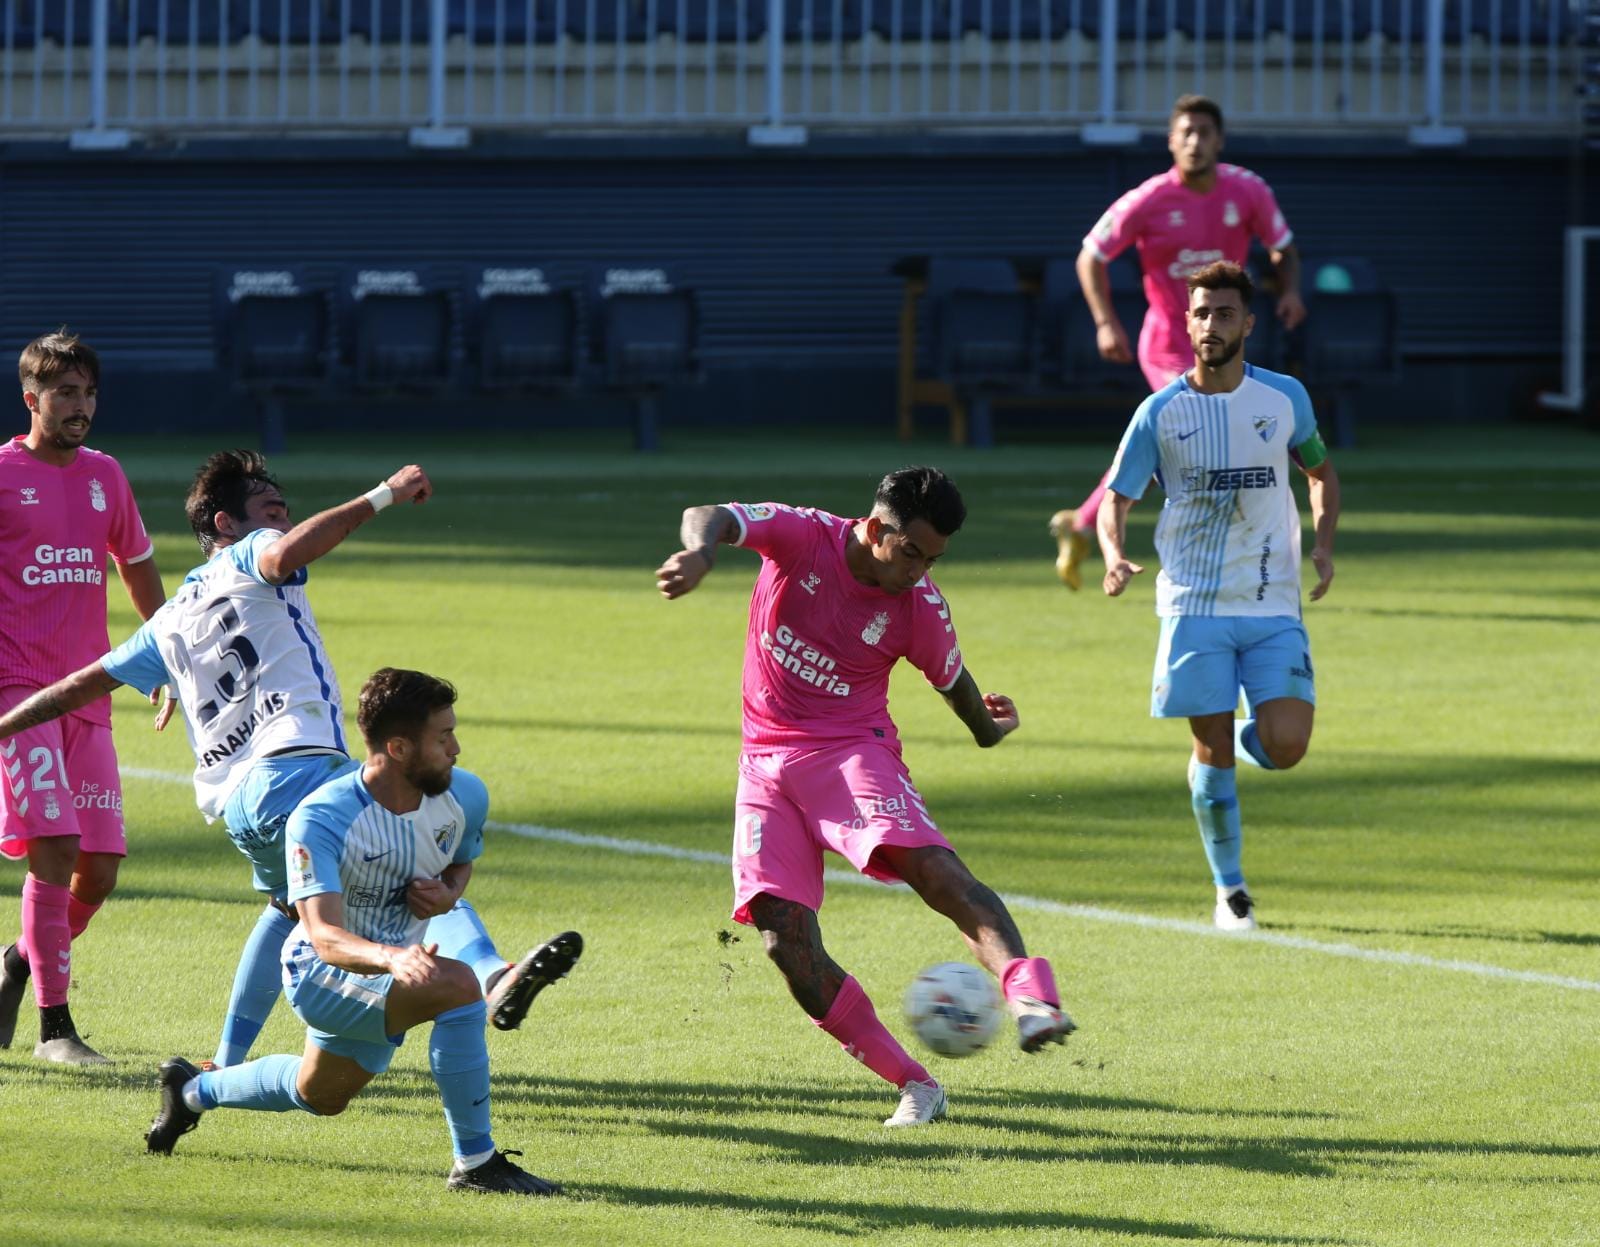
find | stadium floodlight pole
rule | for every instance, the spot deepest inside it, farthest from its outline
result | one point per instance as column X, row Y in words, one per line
column 1433, row 132
column 98, row 137
column 436, row 133
column 773, row 132
column 1107, row 132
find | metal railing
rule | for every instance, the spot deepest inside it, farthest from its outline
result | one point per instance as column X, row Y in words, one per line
column 101, row 70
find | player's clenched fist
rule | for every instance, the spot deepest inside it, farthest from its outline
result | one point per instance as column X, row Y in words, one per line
column 681, row 573
column 410, row 484
column 414, row 965
column 1003, row 711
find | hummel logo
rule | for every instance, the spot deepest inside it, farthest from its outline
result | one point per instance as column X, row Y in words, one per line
column 30, row 496
column 1183, row 437
column 372, row 857
column 810, row 583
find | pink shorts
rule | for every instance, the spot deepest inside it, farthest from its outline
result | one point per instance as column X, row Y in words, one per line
column 60, row 779
column 792, row 804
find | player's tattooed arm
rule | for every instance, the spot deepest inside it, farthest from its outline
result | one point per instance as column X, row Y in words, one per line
column 702, row 531
column 310, row 539
column 990, row 717
column 63, row 697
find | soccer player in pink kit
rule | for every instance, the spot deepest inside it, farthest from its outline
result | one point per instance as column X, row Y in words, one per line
column 63, row 508
column 1196, row 213
column 837, row 603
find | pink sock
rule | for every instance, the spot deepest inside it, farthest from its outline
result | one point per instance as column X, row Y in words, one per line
column 78, row 915
column 1089, row 508
column 1030, row 976
column 49, row 939
column 854, row 1023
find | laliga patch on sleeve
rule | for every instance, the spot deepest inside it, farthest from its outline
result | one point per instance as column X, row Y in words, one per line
column 757, row 511
column 300, row 867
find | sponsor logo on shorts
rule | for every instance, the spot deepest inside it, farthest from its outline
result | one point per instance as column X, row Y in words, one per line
column 93, row 797
column 1303, row 672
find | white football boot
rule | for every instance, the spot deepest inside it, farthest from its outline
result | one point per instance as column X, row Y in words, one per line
column 1039, row 1023
column 920, row 1103
column 1235, row 910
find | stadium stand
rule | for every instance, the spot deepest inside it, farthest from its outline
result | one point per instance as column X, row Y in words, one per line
column 523, row 333
column 1350, row 338
column 647, row 336
column 398, row 325
column 982, row 329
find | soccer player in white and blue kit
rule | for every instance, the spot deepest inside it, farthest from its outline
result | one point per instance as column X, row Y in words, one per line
column 373, row 855
column 263, row 710
column 1220, row 440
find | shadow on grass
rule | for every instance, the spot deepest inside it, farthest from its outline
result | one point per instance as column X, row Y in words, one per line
column 853, row 1220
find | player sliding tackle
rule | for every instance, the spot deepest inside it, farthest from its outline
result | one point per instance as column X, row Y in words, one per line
column 837, row 603
column 263, row 712
column 372, row 856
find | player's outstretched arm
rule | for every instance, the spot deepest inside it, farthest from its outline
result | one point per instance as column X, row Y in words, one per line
column 1322, row 485
column 67, row 694
column 990, row 717
column 1112, row 528
column 310, row 539
column 702, row 531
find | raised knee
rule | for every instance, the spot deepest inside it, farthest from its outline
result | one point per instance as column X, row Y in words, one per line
column 324, row 1104
column 462, row 987
column 1286, row 753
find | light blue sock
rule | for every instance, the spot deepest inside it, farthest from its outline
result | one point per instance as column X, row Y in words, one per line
column 460, row 1060
column 1216, row 809
column 1247, row 745
column 461, row 935
column 256, row 984
column 266, row 1085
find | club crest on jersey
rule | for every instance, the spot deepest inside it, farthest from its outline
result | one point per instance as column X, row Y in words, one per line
column 873, row 632
column 97, row 494
column 30, row 496
column 1230, row 214
column 1175, row 218
column 1266, row 426
column 51, row 808
column 442, row 836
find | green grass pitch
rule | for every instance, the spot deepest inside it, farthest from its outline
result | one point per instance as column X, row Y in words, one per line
column 1410, row 1059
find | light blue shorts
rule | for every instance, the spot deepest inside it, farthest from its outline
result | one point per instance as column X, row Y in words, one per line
column 342, row 1010
column 1203, row 661
column 260, row 806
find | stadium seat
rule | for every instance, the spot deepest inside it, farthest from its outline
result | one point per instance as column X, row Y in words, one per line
column 1351, row 336
column 71, row 22
column 607, row 21
column 187, row 21
column 981, row 334
column 387, row 21
column 1305, row 19
column 507, row 21
column 1134, row 17
column 290, row 21
column 402, row 341
column 271, row 337
column 823, row 20
column 912, row 20
column 649, row 340
column 1016, row 19
column 528, row 341
column 1215, row 19
column 1069, row 351
column 712, row 21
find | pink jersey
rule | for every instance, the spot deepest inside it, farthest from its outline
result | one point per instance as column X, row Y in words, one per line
column 1179, row 231
column 56, row 527
column 821, row 644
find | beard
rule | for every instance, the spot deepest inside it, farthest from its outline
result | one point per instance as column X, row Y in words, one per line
column 431, row 783
column 1224, row 353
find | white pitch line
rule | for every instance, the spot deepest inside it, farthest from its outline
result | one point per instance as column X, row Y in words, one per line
column 1035, row 904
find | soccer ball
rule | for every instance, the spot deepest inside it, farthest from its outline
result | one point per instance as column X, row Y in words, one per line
column 954, row 1008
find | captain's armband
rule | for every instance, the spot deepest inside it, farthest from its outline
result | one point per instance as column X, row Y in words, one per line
column 1311, row 453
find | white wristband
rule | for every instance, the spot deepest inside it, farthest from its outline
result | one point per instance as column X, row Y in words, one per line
column 380, row 497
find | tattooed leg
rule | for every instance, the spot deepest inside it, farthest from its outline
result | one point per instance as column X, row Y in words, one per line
column 793, row 941
column 947, row 887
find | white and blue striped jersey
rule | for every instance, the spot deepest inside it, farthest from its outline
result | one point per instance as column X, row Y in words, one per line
column 340, row 840
column 249, row 665
column 1229, row 532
